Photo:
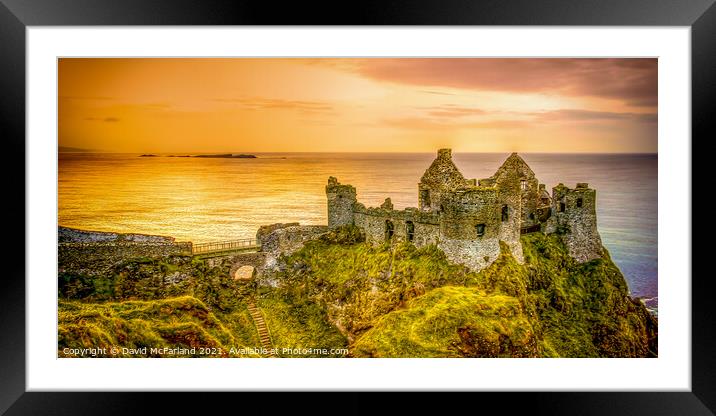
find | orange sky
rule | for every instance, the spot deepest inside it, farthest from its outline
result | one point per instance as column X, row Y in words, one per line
column 362, row 105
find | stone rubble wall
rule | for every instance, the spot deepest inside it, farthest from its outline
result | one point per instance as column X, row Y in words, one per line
column 475, row 255
column 286, row 241
column 99, row 258
column 265, row 230
column 236, row 260
column 73, row 235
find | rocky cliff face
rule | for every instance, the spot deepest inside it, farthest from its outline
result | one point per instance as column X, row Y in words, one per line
column 409, row 302
column 332, row 289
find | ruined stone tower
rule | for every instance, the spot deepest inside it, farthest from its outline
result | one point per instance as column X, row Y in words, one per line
column 441, row 177
column 469, row 218
column 574, row 217
column 341, row 199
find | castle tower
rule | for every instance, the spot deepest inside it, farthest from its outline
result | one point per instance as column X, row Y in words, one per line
column 442, row 176
column 574, row 218
column 341, row 199
column 517, row 178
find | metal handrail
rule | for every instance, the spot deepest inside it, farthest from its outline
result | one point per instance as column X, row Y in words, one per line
column 224, row 246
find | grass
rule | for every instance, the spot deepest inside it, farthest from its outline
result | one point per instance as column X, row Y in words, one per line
column 299, row 325
column 358, row 283
column 452, row 322
column 378, row 301
column 584, row 308
column 135, row 306
column 183, row 322
column 570, row 309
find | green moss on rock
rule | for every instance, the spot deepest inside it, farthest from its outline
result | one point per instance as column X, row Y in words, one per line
column 570, row 309
column 300, row 327
column 183, row 322
column 382, row 301
column 452, row 322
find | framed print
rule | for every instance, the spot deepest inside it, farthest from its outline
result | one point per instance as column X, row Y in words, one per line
column 454, row 198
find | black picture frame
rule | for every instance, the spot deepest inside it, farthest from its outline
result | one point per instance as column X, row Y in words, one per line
column 16, row 15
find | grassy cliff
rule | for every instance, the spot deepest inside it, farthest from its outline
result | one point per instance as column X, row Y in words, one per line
column 181, row 322
column 403, row 301
column 383, row 301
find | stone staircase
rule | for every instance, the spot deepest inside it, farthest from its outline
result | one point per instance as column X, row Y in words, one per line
column 261, row 327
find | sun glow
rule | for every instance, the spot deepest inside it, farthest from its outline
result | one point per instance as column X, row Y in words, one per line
column 361, row 105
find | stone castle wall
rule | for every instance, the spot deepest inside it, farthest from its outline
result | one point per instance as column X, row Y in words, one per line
column 98, row 258
column 287, row 240
column 476, row 255
column 74, row 235
column 574, row 218
column 341, row 199
column 472, row 226
column 468, row 218
column 265, row 230
column 373, row 222
column 514, row 177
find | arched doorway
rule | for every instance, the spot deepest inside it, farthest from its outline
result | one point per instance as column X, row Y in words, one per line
column 410, row 230
column 389, row 230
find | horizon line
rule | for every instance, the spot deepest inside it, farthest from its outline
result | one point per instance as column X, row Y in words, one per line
column 360, row 152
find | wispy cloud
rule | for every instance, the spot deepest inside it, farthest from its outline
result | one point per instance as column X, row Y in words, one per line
column 436, row 92
column 425, row 124
column 454, row 118
column 279, row 104
column 103, row 119
column 587, row 115
column 453, row 111
column 633, row 81
column 84, row 98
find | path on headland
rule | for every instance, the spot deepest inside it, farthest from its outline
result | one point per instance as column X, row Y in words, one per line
column 261, row 327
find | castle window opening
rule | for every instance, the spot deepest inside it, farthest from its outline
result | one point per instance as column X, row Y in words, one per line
column 425, row 196
column 505, row 213
column 480, row 228
column 579, row 202
column 388, row 230
column 523, row 185
column 532, row 216
column 562, row 206
column 410, row 230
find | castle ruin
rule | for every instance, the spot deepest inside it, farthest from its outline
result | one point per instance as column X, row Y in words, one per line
column 468, row 218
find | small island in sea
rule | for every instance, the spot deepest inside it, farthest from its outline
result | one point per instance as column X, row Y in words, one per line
column 213, row 156
column 494, row 267
column 228, row 156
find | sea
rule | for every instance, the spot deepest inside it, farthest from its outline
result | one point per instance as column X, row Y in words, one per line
column 221, row 199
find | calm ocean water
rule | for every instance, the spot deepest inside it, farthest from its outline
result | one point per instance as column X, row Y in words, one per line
column 205, row 199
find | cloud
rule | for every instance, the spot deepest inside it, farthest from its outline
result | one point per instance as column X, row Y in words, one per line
column 453, row 111
column 436, row 92
column 84, row 98
column 587, row 115
column 103, row 119
column 452, row 119
column 279, row 104
column 420, row 123
column 631, row 80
